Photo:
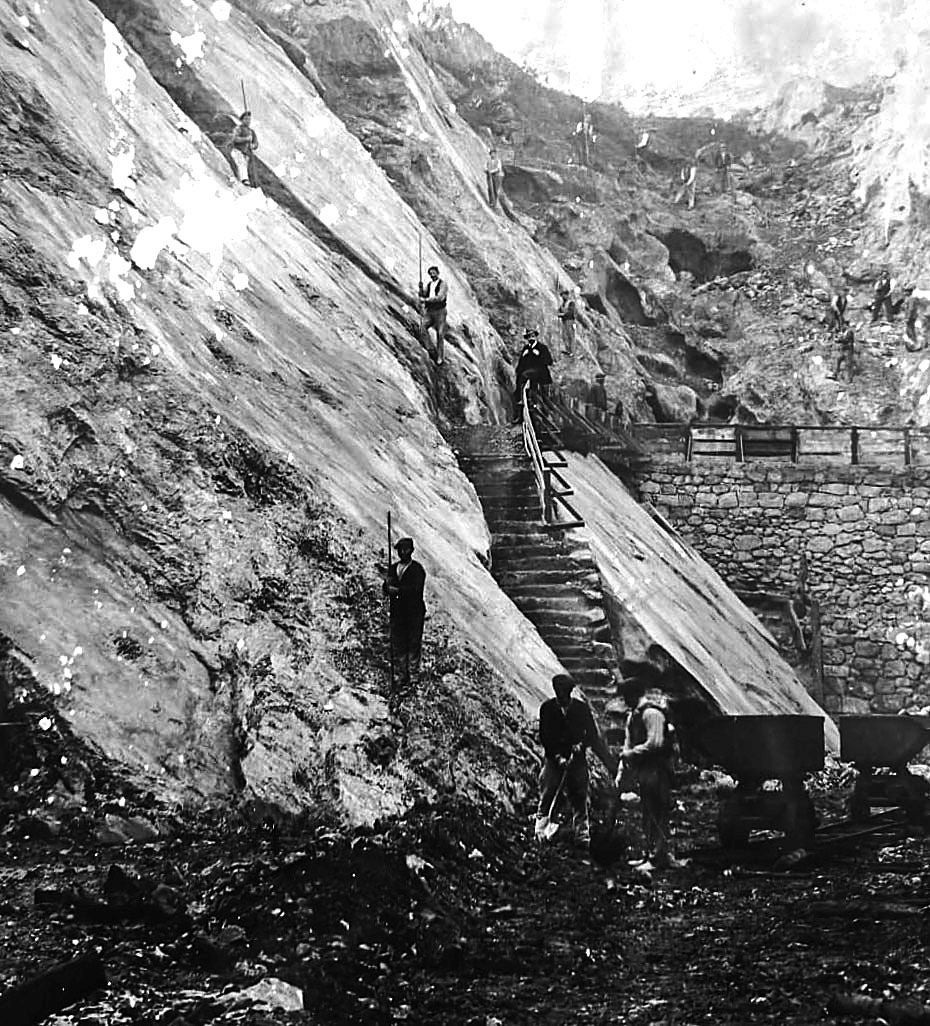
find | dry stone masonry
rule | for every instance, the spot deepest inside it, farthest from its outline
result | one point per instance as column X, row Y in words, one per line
column 865, row 533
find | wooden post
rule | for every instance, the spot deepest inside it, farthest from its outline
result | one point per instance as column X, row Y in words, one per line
column 816, row 654
column 907, row 447
column 794, row 443
column 854, row 445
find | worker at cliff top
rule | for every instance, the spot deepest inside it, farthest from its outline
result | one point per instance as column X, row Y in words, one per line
column 433, row 310
column 243, row 139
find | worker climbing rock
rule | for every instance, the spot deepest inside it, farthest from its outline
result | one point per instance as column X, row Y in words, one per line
column 404, row 587
column 433, row 310
column 846, row 354
column 567, row 315
column 243, row 139
column 494, row 172
column 882, row 297
column 532, row 368
column 648, row 749
column 838, row 303
column 567, row 729
column 687, row 176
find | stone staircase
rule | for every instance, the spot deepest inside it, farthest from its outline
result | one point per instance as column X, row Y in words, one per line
column 548, row 572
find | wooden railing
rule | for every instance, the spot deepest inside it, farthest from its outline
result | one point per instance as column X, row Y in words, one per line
column 553, row 489
column 867, row 446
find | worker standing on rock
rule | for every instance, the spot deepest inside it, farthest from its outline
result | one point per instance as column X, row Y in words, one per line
column 433, row 299
column 243, row 139
column 532, row 368
column 846, row 354
column 722, row 162
column 494, row 172
column 647, row 754
column 882, row 297
column 567, row 316
column 404, row 587
column 687, row 175
column 838, row 304
column 566, row 731
column 642, row 148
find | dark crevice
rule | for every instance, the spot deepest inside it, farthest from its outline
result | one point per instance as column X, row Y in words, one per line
column 689, row 253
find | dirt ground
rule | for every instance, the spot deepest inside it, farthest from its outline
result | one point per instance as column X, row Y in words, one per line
column 454, row 916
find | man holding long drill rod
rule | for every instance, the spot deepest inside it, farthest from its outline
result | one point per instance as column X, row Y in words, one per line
column 404, row 587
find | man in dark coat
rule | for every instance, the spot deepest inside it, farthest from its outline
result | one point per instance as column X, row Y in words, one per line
column 533, row 367
column 404, row 587
column 597, row 394
column 847, row 354
column 566, row 731
column 882, row 298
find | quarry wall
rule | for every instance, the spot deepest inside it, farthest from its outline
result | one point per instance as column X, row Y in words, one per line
column 864, row 534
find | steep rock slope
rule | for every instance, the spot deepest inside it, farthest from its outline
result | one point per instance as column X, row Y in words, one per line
column 663, row 591
column 203, row 433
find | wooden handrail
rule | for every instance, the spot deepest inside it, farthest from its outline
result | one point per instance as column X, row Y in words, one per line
column 855, row 444
column 544, row 471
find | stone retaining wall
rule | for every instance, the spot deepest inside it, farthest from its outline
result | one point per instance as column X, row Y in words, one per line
column 866, row 535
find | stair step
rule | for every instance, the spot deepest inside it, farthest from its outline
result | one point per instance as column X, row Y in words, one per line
column 531, row 558
column 530, row 534
column 595, row 653
column 558, row 575
column 564, row 618
column 555, row 634
column 570, row 604
column 511, row 509
column 531, row 587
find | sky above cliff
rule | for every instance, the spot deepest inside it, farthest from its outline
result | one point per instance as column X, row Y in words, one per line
column 641, row 53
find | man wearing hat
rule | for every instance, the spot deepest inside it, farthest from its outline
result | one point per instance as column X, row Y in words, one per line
column 567, row 729
column 533, row 367
column 433, row 299
column 404, row 588
column 597, row 394
column 567, row 315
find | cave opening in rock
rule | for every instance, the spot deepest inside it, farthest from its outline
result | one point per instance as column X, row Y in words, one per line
column 688, row 253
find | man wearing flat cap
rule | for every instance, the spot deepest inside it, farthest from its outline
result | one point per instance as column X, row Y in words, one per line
column 404, row 588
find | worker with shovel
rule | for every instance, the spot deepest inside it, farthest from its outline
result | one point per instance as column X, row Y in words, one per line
column 566, row 731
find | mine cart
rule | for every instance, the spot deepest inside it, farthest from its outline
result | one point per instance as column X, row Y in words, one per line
column 757, row 751
column 885, row 744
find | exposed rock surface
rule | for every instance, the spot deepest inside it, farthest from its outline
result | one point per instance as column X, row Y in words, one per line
column 216, row 393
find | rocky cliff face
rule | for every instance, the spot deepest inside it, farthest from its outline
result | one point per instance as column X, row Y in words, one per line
column 216, row 393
